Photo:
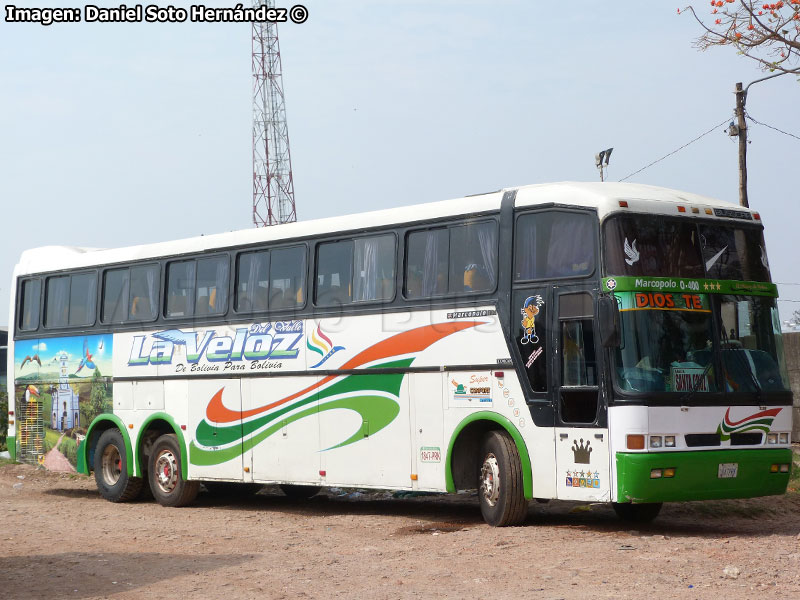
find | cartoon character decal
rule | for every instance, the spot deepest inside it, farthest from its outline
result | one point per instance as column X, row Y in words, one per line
column 529, row 311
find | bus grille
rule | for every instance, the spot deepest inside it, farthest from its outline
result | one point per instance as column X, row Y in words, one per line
column 702, row 439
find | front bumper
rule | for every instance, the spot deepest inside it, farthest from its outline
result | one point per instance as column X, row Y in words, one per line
column 696, row 475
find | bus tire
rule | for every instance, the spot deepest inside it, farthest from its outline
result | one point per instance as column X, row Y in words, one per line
column 637, row 513
column 300, row 492
column 500, row 487
column 111, row 469
column 164, row 471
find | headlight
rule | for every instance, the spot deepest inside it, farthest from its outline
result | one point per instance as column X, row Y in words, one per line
column 655, row 441
column 669, row 441
column 783, row 438
column 772, row 438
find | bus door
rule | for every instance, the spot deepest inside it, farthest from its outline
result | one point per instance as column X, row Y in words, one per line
column 216, row 430
column 581, row 429
column 285, row 437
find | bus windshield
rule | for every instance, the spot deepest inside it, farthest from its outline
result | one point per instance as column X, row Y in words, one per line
column 654, row 246
column 668, row 344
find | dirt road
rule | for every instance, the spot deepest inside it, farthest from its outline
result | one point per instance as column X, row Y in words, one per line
column 61, row 540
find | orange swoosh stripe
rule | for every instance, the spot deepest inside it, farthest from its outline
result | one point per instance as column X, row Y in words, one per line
column 414, row 340
column 773, row 412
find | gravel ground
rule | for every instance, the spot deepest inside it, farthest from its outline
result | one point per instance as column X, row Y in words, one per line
column 61, row 540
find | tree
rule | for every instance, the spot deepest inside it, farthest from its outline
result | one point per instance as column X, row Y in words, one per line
column 98, row 400
column 769, row 33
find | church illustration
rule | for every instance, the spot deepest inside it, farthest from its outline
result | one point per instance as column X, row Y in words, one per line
column 66, row 412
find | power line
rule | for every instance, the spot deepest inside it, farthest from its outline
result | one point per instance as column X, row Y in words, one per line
column 771, row 127
column 675, row 151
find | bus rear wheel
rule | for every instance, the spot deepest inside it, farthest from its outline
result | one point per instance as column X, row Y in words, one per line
column 111, row 469
column 637, row 513
column 164, row 470
column 500, row 488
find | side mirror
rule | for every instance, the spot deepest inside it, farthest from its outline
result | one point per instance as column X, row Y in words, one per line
column 608, row 315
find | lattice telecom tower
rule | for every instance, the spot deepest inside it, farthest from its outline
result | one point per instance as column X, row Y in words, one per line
column 273, row 186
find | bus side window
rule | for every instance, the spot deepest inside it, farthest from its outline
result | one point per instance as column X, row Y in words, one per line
column 82, row 299
column 473, row 257
column 554, row 244
column 334, row 280
column 427, row 257
column 579, row 392
column 29, row 311
column 373, row 272
column 180, row 288
column 114, row 308
column 287, row 278
column 212, row 286
column 143, row 293
column 252, row 281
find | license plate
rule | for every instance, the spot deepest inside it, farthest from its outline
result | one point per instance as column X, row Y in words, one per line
column 727, row 470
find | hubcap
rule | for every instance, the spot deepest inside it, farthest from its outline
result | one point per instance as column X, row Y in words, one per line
column 490, row 480
column 166, row 471
column 112, row 465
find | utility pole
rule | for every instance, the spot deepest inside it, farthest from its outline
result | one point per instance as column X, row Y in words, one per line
column 741, row 132
column 741, row 98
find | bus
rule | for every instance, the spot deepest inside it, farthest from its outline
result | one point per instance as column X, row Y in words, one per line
column 595, row 342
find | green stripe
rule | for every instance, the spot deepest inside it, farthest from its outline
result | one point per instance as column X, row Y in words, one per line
column 696, row 475
column 376, row 413
column 764, row 422
column 11, row 442
column 208, row 434
column 314, row 348
column 690, row 286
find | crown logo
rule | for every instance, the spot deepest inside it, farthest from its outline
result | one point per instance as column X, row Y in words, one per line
column 581, row 452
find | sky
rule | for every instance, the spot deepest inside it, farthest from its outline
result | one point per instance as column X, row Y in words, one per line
column 123, row 134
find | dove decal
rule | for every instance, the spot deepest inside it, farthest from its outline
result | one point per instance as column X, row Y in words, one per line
column 631, row 252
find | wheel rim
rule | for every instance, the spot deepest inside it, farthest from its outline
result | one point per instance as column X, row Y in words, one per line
column 166, row 471
column 490, row 480
column 112, row 465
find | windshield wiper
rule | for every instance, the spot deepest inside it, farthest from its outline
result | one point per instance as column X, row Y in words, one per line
column 743, row 362
column 688, row 395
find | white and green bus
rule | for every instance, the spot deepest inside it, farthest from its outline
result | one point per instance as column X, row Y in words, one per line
column 578, row 341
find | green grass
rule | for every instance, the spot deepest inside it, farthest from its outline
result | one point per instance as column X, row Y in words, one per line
column 794, row 479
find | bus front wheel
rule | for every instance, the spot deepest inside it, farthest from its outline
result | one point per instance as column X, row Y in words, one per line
column 164, row 470
column 637, row 513
column 111, row 469
column 500, row 487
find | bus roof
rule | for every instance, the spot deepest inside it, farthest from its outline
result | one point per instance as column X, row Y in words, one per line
column 604, row 197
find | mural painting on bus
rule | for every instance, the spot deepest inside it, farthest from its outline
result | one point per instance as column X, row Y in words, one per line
column 260, row 346
column 471, row 389
column 62, row 384
column 529, row 311
column 225, row 434
column 320, row 343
